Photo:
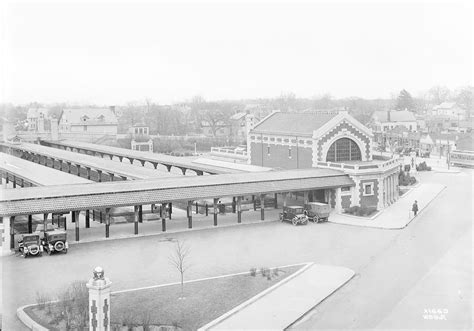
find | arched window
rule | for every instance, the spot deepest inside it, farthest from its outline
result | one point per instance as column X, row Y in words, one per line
column 344, row 149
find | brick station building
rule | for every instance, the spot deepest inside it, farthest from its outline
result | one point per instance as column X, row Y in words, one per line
column 326, row 139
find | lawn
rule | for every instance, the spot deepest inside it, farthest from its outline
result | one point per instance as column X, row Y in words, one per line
column 203, row 301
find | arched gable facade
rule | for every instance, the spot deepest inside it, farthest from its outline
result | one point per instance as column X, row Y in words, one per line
column 342, row 130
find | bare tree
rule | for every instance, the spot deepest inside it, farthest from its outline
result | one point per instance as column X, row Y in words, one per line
column 179, row 259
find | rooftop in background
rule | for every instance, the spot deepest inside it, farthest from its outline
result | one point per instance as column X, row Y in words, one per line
column 289, row 123
column 395, row 116
column 89, row 116
column 445, row 105
column 37, row 112
column 37, row 174
column 231, row 165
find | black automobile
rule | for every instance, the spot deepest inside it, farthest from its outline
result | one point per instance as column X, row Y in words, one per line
column 29, row 245
column 55, row 241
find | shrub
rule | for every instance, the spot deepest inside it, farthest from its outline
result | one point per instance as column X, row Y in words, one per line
column 360, row 211
column 42, row 299
column 423, row 167
column 407, row 168
column 253, row 272
column 265, row 272
column 405, row 179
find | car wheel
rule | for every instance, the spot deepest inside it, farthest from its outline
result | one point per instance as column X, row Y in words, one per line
column 59, row 246
column 294, row 221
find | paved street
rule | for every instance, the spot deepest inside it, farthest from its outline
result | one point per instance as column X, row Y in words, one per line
column 388, row 263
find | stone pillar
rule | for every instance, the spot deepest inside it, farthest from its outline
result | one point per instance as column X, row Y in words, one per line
column 285, row 198
column 306, row 195
column 136, row 218
column 276, row 201
column 380, row 204
column 99, row 174
column 88, row 171
column 99, row 301
column 140, row 214
column 190, row 214
column 215, row 211
column 14, row 182
column 12, row 232
column 262, row 207
column 6, row 238
column 338, row 205
column 234, row 209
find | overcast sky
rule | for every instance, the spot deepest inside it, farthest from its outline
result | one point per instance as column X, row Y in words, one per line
column 106, row 53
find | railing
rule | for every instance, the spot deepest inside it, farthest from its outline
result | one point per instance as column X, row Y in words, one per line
column 367, row 167
column 231, row 152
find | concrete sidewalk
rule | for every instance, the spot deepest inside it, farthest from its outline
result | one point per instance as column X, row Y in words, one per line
column 286, row 302
column 399, row 214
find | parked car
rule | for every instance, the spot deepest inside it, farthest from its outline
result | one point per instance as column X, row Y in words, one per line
column 317, row 211
column 294, row 214
column 29, row 244
column 55, row 241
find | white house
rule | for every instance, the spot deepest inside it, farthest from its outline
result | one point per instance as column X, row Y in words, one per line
column 89, row 120
column 383, row 121
column 449, row 109
column 36, row 118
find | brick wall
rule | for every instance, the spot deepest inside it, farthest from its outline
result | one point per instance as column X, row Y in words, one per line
column 301, row 157
column 372, row 200
column 345, row 201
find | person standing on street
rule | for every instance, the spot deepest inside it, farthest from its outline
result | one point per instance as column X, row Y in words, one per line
column 415, row 207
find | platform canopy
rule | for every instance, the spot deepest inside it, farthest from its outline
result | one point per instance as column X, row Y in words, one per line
column 38, row 200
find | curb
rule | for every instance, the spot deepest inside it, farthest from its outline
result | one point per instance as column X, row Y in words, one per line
column 253, row 299
column 27, row 320
column 422, row 209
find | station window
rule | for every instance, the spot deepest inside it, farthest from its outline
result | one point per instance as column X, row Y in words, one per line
column 268, row 150
column 368, row 189
column 345, row 189
column 343, row 149
column 289, row 153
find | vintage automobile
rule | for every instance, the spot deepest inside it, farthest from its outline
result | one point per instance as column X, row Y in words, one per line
column 55, row 241
column 317, row 211
column 294, row 214
column 29, row 244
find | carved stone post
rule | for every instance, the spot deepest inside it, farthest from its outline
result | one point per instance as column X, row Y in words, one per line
column 99, row 301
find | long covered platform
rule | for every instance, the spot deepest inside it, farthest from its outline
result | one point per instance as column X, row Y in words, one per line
column 160, row 193
column 167, row 161
column 92, row 168
column 20, row 172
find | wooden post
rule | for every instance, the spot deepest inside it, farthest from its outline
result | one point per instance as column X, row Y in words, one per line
column 190, row 215
column 215, row 211
column 75, row 219
column 136, row 218
column 197, row 208
column 107, row 222
column 88, row 171
column 99, row 174
column 262, row 207
column 239, row 209
column 254, row 203
column 14, row 182
column 45, row 220
column 30, row 223
column 163, row 217
column 276, row 201
column 234, row 205
column 207, row 209
column 285, row 198
column 140, row 214
column 88, row 224
column 12, row 232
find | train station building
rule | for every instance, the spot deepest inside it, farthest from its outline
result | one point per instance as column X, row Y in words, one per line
column 327, row 139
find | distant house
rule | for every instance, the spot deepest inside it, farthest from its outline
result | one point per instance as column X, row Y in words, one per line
column 37, row 118
column 89, row 120
column 383, row 120
column 450, row 110
column 238, row 125
column 141, row 140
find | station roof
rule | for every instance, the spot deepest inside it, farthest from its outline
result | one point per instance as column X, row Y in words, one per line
column 147, row 156
column 37, row 174
column 118, row 168
column 293, row 123
column 36, row 200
